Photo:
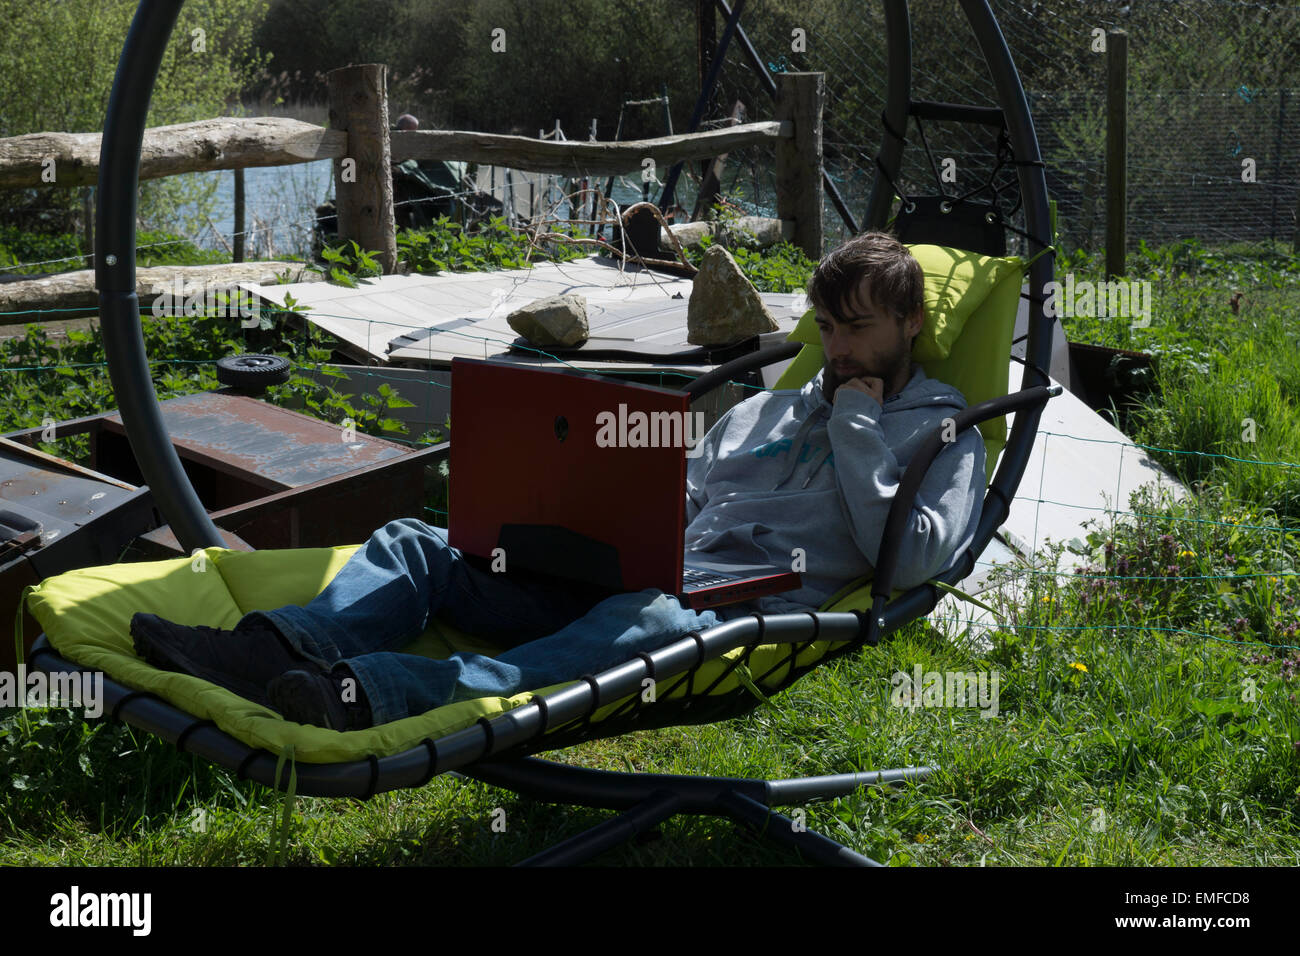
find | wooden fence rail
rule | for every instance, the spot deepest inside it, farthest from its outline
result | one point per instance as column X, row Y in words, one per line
column 241, row 142
column 362, row 147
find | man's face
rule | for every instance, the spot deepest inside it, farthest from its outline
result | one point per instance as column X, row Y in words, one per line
column 870, row 342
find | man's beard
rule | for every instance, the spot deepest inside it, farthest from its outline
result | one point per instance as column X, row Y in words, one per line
column 887, row 369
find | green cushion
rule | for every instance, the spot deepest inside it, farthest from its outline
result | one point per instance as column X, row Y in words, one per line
column 956, row 284
column 86, row 616
column 86, row 613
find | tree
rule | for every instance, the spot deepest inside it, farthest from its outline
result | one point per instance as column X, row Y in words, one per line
column 58, row 59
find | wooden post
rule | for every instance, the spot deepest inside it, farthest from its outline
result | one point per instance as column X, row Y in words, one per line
column 1295, row 238
column 238, row 254
column 363, row 178
column 799, row 99
column 88, row 224
column 1276, row 164
column 1116, row 151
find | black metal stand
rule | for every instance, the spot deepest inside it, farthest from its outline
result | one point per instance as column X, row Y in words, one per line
column 649, row 799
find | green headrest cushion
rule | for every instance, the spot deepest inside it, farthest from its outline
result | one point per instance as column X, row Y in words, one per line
column 956, row 284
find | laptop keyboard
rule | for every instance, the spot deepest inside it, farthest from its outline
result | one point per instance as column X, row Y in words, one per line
column 699, row 578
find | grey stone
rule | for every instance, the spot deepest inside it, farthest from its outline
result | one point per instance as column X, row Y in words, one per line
column 555, row 320
column 724, row 306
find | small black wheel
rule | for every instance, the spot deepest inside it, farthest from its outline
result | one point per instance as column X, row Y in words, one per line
column 252, row 371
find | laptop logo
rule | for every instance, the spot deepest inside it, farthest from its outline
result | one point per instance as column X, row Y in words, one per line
column 639, row 429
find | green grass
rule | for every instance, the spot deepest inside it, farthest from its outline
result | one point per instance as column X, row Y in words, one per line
column 1147, row 711
column 1228, row 384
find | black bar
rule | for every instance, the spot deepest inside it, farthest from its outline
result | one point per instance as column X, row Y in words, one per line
column 119, row 308
column 623, row 828
column 898, row 92
column 737, row 366
column 769, row 84
column 702, row 101
column 1033, row 192
column 956, row 112
column 767, row 823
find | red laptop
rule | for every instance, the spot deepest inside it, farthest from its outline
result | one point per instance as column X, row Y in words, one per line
column 583, row 477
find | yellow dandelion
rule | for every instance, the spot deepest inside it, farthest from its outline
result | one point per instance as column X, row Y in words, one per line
column 1080, row 667
column 1187, row 554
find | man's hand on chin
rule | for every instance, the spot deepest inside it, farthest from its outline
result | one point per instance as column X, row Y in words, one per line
column 868, row 384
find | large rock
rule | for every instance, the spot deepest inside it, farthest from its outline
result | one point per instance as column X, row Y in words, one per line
column 724, row 306
column 555, row 320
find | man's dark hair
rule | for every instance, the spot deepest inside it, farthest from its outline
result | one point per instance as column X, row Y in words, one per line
column 897, row 283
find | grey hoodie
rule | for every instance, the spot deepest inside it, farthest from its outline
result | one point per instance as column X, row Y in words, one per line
column 787, row 470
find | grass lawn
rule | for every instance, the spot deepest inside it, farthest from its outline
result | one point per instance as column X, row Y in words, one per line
column 1145, row 715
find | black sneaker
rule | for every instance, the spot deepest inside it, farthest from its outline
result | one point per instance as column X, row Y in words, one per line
column 242, row 660
column 322, row 699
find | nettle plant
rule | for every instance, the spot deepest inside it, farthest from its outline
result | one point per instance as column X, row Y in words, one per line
column 349, row 262
column 1208, row 567
column 447, row 246
column 52, row 380
column 325, row 402
column 778, row 268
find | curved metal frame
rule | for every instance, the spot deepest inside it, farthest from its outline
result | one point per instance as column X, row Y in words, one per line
column 119, row 307
column 744, row 800
column 1033, row 190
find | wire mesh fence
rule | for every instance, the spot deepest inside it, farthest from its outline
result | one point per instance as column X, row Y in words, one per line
column 1213, row 106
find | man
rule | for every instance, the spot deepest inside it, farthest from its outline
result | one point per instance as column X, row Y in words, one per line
column 800, row 478
column 808, row 476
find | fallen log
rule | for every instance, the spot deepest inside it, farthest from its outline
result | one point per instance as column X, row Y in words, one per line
column 66, row 295
column 750, row 232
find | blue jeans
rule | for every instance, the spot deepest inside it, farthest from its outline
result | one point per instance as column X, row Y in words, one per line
column 406, row 573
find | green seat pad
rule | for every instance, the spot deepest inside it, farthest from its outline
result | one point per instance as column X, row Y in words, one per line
column 86, row 615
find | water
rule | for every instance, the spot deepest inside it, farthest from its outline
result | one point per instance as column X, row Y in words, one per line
column 279, row 208
column 280, row 205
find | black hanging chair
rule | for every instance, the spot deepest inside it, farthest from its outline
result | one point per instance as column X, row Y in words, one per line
column 702, row 677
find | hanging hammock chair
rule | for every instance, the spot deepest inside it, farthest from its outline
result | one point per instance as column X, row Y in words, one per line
column 973, row 290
